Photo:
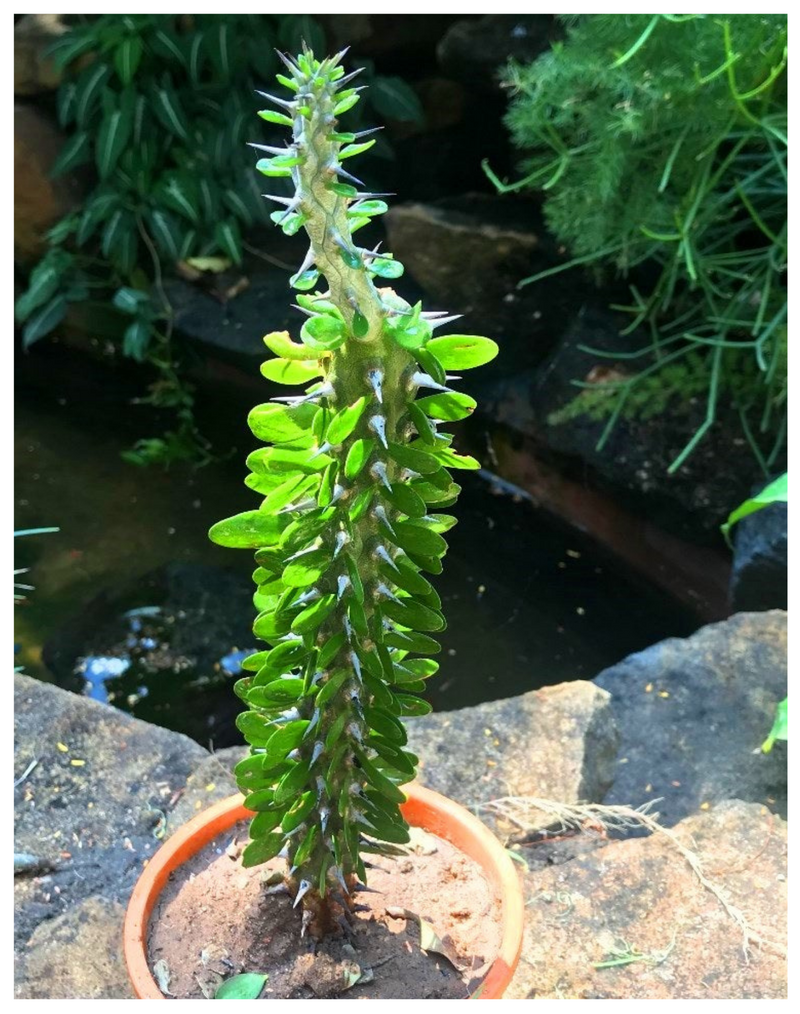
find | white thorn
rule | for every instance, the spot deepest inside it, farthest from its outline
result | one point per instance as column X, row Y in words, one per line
column 290, row 202
column 382, row 553
column 380, row 513
column 303, row 889
column 378, row 426
column 303, row 505
column 342, row 538
column 378, row 471
column 423, row 380
column 444, row 320
column 386, row 592
column 302, row 552
column 318, row 748
column 375, row 379
column 343, row 584
column 356, row 664
column 338, row 493
column 322, row 449
column 306, row 597
column 348, row 629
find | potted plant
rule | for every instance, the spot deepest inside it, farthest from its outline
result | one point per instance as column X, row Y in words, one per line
column 342, row 540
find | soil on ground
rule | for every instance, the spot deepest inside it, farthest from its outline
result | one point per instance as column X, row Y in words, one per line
column 216, row 919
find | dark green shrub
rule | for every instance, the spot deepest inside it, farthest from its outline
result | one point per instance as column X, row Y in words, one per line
column 162, row 105
column 659, row 142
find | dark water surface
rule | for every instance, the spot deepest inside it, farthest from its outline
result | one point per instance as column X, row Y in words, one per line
column 135, row 606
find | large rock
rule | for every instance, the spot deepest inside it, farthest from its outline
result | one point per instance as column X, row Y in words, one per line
column 477, row 50
column 557, row 743
column 642, row 896
column 34, row 69
column 39, row 202
column 693, row 713
column 448, row 245
column 760, row 560
column 95, row 789
column 76, row 954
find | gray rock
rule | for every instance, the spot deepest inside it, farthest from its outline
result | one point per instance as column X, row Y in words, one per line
column 642, row 892
column 76, row 955
column 693, row 714
column 760, row 560
column 448, row 245
column 558, row 743
column 476, row 50
column 95, row 803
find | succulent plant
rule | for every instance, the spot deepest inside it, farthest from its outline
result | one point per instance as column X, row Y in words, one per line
column 343, row 536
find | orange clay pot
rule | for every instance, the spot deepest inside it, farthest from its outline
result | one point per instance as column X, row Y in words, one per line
column 423, row 808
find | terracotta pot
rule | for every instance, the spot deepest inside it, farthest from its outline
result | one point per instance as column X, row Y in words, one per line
column 423, row 808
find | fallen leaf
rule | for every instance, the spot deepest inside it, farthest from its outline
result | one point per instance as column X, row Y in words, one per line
column 162, row 974
column 246, row 986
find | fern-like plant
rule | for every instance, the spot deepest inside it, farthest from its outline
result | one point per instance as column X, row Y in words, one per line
column 343, row 534
column 659, row 142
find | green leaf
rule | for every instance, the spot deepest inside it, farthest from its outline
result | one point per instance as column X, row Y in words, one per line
column 299, row 811
column 412, row 640
column 179, row 193
column 281, row 691
column 776, row 492
column 76, row 151
column 43, row 284
column 115, row 131
column 780, row 727
column 42, row 321
column 462, row 351
column 262, row 849
column 293, row 781
column 273, row 117
column 229, row 239
column 387, row 267
column 169, row 109
column 412, row 706
column 166, row 234
column 414, row 615
column 246, row 986
column 417, row 460
column 354, row 149
column 324, row 333
column 130, row 300
column 255, row 728
column 283, row 423
column 394, row 98
column 385, row 724
column 314, row 615
column 358, row 456
column 344, row 422
column 307, row 569
column 89, row 87
column 136, row 340
column 331, row 686
column 282, row 345
column 447, row 407
column 248, row 530
column 127, row 58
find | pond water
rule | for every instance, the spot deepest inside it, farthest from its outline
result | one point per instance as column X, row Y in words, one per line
column 134, row 606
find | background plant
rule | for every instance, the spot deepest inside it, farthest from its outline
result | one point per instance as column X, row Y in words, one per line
column 160, row 106
column 343, row 535
column 776, row 492
column 659, row 144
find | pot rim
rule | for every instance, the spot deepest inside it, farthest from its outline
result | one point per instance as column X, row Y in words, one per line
column 423, row 808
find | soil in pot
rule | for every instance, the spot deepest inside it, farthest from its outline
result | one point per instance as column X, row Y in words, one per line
column 215, row 919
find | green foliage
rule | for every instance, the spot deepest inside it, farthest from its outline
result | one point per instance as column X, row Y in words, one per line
column 160, row 106
column 343, row 537
column 780, row 727
column 776, row 492
column 659, row 143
